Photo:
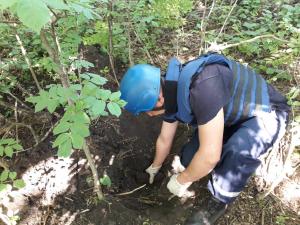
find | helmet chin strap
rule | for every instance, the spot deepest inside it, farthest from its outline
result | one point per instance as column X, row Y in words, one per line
column 155, row 112
column 158, row 108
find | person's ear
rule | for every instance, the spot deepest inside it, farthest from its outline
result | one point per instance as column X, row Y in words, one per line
column 161, row 99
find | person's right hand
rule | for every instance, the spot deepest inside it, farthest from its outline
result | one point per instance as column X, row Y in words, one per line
column 152, row 171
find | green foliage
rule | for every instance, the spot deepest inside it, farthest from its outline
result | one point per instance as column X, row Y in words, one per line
column 145, row 20
column 33, row 13
column 281, row 219
column 169, row 13
column 254, row 18
column 105, row 180
column 36, row 13
column 8, row 147
column 89, row 101
column 292, row 97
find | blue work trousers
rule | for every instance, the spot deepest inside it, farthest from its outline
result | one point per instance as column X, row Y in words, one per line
column 243, row 143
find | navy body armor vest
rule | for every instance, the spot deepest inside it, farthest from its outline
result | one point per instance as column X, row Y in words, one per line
column 249, row 91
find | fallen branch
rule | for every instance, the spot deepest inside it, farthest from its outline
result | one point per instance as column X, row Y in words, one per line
column 130, row 192
column 220, row 47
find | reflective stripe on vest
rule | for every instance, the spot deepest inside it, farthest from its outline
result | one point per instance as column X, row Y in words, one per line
column 249, row 94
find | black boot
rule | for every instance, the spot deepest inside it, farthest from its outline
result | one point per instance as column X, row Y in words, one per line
column 209, row 212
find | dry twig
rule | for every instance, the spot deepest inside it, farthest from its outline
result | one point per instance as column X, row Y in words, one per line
column 28, row 62
column 130, row 192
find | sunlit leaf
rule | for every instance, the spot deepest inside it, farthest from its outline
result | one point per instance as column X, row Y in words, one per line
column 7, row 3
column 8, row 150
column 19, row 183
column 56, row 4
column 61, row 139
column 33, row 13
column 114, row 109
column 65, row 149
column 115, row 96
column 77, row 140
column 98, row 107
column 81, row 129
column 61, row 127
column 3, row 187
column 4, row 175
column 12, row 175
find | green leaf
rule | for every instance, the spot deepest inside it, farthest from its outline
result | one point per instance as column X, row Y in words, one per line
column 4, row 175
column 19, row 183
column 115, row 96
column 76, row 87
column 89, row 101
column 98, row 107
column 114, row 109
column 12, row 175
column 89, row 88
column 56, row 4
column 121, row 103
column 32, row 99
column 103, row 94
column 52, row 104
column 7, row 3
column 61, row 127
column 9, row 151
column 78, row 64
column 97, row 79
column 105, row 180
column 61, row 139
column 77, row 141
column 3, row 187
column 81, row 129
column 85, row 76
column 81, row 117
column 7, row 141
column 65, row 149
column 42, row 104
column 33, row 13
column 17, row 147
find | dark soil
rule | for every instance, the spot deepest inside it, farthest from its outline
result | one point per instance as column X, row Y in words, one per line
column 130, row 141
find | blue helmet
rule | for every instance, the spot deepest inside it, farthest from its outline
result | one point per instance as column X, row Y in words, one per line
column 140, row 88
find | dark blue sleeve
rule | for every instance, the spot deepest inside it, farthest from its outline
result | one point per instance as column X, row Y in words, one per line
column 209, row 92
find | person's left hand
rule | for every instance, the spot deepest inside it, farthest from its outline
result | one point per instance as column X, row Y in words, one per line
column 176, row 188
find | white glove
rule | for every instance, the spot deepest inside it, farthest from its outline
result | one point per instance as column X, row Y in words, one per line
column 176, row 165
column 176, row 188
column 152, row 171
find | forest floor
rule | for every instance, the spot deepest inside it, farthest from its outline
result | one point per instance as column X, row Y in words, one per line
column 59, row 191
